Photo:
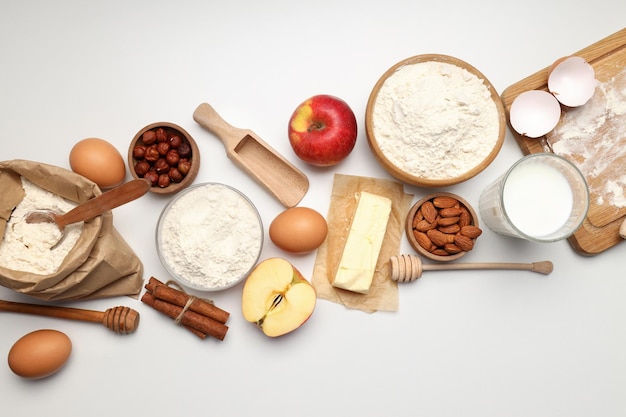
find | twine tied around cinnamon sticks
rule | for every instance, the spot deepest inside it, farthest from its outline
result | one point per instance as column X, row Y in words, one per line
column 199, row 316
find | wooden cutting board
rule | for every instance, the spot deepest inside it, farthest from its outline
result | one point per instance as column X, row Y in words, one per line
column 593, row 137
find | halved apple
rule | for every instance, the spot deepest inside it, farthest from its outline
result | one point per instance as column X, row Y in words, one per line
column 277, row 298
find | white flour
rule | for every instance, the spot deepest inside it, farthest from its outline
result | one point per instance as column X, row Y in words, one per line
column 593, row 137
column 30, row 247
column 435, row 120
column 210, row 236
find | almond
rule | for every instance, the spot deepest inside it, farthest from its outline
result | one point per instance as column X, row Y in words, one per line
column 423, row 240
column 447, row 221
column 445, row 202
column 418, row 215
column 429, row 211
column 416, row 221
column 465, row 218
column 424, row 226
column 453, row 229
column 440, row 252
column 471, row 231
column 463, row 242
column 450, row 212
column 452, row 249
column 438, row 238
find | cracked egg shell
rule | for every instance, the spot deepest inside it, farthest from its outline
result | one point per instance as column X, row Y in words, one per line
column 534, row 113
column 572, row 81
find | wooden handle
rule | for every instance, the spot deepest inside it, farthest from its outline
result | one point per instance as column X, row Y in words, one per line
column 543, row 267
column 206, row 116
column 105, row 201
column 622, row 229
column 407, row 268
column 121, row 320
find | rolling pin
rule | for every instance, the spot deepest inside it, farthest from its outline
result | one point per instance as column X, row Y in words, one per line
column 122, row 320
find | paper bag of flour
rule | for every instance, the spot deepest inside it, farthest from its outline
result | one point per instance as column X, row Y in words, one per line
column 100, row 264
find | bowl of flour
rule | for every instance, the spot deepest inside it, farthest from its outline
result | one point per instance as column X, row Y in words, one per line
column 434, row 120
column 209, row 237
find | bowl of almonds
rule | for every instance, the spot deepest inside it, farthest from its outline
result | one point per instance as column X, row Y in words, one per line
column 442, row 226
column 166, row 155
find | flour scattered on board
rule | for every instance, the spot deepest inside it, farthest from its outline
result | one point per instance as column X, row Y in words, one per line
column 593, row 136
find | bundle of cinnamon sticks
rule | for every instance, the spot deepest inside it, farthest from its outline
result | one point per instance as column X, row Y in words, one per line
column 201, row 317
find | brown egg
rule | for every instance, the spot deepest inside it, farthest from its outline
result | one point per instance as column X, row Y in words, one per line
column 99, row 161
column 298, row 230
column 40, row 353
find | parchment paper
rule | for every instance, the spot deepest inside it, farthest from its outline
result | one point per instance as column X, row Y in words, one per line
column 383, row 294
column 101, row 264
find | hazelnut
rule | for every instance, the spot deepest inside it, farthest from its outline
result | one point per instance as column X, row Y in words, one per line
column 184, row 150
column 152, row 153
column 139, row 152
column 183, row 166
column 148, row 138
column 164, row 180
column 175, row 141
column 141, row 168
column 161, row 166
column 152, row 176
column 175, row 175
column 163, row 148
column 172, row 157
column 161, row 135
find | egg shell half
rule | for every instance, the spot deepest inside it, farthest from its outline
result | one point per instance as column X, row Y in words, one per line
column 534, row 113
column 298, row 230
column 40, row 353
column 572, row 81
column 98, row 160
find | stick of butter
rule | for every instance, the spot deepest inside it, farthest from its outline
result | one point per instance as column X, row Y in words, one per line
column 365, row 238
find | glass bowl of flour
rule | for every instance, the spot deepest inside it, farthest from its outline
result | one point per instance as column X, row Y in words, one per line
column 434, row 121
column 209, row 237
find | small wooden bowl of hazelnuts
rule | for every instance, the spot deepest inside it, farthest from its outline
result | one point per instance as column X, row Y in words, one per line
column 166, row 155
column 442, row 227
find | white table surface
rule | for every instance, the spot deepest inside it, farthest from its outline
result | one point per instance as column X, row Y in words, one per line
column 461, row 344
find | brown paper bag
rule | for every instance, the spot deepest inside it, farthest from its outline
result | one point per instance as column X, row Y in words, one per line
column 101, row 264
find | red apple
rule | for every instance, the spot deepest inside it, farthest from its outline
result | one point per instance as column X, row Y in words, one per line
column 322, row 130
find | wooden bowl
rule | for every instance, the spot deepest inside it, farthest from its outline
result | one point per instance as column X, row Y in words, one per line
column 170, row 131
column 414, row 228
column 418, row 178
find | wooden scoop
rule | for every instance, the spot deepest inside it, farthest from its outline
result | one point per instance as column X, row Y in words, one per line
column 122, row 320
column 255, row 157
column 94, row 206
column 408, row 268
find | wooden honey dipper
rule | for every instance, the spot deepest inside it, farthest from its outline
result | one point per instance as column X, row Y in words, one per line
column 408, row 268
column 122, row 320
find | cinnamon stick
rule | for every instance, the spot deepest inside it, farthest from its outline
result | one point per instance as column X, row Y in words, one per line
column 203, row 319
column 180, row 298
column 149, row 299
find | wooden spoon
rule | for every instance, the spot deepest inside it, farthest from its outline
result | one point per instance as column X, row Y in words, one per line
column 408, row 268
column 122, row 320
column 256, row 158
column 94, row 206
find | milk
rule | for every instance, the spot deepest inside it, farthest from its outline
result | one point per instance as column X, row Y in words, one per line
column 542, row 197
column 537, row 199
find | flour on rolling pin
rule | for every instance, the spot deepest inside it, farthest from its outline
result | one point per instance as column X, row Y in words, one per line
column 593, row 136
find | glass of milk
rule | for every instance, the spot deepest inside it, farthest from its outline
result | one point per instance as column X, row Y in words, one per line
column 542, row 197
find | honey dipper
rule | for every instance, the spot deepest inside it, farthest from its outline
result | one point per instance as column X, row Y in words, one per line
column 408, row 268
column 122, row 320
